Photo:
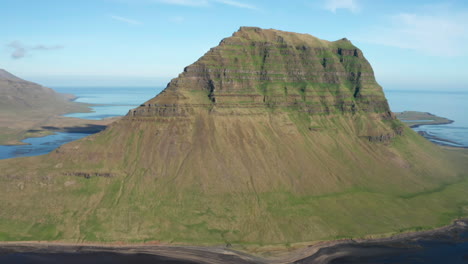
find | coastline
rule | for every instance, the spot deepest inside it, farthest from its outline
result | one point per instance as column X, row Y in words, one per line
column 441, row 141
column 435, row 123
column 415, row 119
column 54, row 124
column 321, row 252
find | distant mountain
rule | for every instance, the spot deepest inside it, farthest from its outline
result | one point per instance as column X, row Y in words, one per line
column 270, row 138
column 26, row 105
column 20, row 96
column 6, row 76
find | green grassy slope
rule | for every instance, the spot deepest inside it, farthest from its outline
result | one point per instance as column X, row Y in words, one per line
column 218, row 159
column 233, row 188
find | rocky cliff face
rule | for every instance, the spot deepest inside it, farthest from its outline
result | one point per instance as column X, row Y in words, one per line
column 258, row 68
column 259, row 71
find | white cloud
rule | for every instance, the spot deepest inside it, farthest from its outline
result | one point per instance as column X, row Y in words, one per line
column 126, row 20
column 431, row 33
column 333, row 5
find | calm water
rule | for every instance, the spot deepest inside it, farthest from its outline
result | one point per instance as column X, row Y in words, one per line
column 39, row 146
column 109, row 102
column 452, row 105
column 446, row 247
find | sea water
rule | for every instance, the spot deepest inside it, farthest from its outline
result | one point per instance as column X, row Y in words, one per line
column 449, row 104
column 109, row 101
column 39, row 145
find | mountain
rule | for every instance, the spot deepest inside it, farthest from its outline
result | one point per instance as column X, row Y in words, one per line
column 18, row 95
column 25, row 104
column 6, row 76
column 270, row 138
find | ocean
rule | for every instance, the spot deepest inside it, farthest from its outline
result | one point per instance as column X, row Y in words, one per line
column 449, row 104
column 109, row 101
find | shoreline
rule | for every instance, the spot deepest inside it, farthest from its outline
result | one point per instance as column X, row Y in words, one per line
column 433, row 124
column 63, row 124
column 440, row 141
column 415, row 119
column 320, row 252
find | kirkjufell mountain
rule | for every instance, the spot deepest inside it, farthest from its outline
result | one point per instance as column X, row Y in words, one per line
column 272, row 137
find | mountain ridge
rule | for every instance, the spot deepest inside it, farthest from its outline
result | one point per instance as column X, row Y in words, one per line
column 8, row 76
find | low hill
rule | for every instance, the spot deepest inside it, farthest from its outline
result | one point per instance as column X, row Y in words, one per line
column 270, row 138
column 25, row 105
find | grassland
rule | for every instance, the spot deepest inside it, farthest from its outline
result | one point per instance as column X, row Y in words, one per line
column 333, row 188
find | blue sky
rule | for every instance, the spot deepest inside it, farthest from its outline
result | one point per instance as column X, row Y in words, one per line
column 411, row 44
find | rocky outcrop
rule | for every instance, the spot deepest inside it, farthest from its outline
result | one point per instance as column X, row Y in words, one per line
column 88, row 175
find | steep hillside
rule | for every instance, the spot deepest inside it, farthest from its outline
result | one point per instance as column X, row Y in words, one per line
column 17, row 95
column 269, row 138
column 24, row 105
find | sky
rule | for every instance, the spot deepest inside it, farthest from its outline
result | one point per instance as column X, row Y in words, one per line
column 412, row 45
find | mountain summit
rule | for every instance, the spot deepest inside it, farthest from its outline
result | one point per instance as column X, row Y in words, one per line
column 268, row 69
column 272, row 137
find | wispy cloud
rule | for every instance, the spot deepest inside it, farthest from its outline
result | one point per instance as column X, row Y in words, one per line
column 201, row 3
column 333, row 5
column 126, row 20
column 19, row 50
column 432, row 32
column 185, row 2
column 44, row 47
column 236, row 4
